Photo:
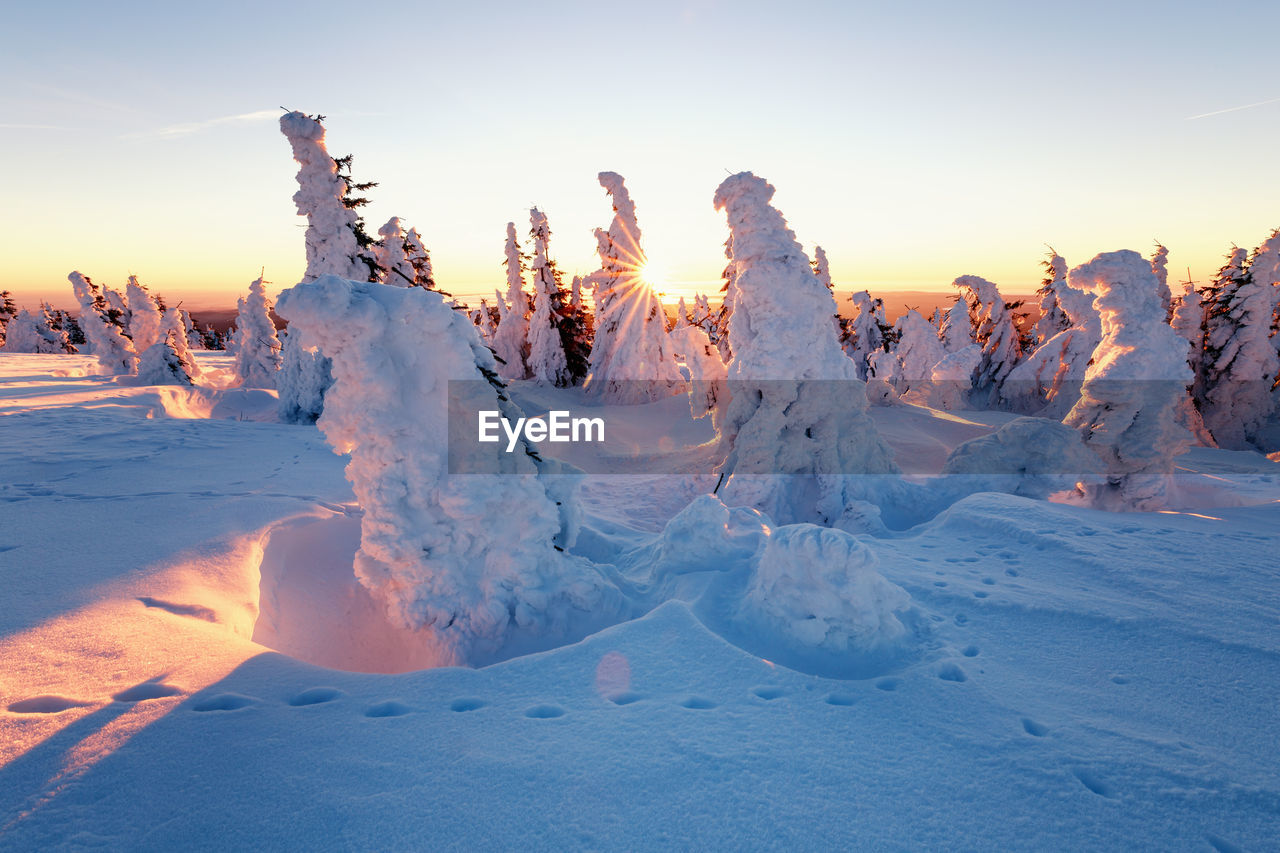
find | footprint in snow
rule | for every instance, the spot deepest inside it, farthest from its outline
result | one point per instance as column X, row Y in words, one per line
column 544, row 712
column 697, row 703
column 315, row 696
column 1033, row 728
column 1091, row 781
column 47, row 704
column 769, row 693
column 388, row 709
column 888, row 683
column 970, row 651
column 842, row 700
column 951, row 672
column 468, row 704
column 625, row 698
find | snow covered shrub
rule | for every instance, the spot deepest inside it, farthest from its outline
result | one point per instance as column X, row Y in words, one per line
column 1128, row 405
column 1032, row 457
column 257, row 358
column 470, row 561
column 115, row 352
column 177, row 328
column 1053, row 318
column 797, row 406
column 510, row 341
column 918, row 350
column 863, row 335
column 630, row 358
column 819, row 588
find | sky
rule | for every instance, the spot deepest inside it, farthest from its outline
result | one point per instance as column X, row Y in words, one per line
column 914, row 141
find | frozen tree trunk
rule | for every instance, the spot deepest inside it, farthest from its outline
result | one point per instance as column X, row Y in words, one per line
column 510, row 341
column 631, row 361
column 469, row 561
column 115, row 352
column 547, row 363
column 797, row 406
column 257, row 361
column 1128, row 407
column 145, row 320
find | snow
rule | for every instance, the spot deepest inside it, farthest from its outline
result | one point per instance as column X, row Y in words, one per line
column 257, row 346
column 191, row 663
column 1134, row 386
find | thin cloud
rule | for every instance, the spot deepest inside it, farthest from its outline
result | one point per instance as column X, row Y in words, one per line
column 1233, row 109
column 31, row 127
column 188, row 128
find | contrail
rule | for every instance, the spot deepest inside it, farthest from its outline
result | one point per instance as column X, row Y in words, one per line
column 1232, row 109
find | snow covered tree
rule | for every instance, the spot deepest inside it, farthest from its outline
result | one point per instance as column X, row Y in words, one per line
column 144, row 319
column 546, row 351
column 116, row 310
column 336, row 243
column 420, row 259
column 863, row 334
column 1240, row 360
column 1160, row 267
column 822, row 269
column 1053, row 319
column 8, row 310
column 510, row 341
column 470, row 562
column 161, row 364
column 631, row 361
column 797, row 406
column 257, row 362
column 682, row 315
column 177, row 326
column 955, row 331
column 918, row 350
column 1047, row 381
column 1127, row 411
column 391, row 256
column 115, row 352
column 33, row 332
column 996, row 329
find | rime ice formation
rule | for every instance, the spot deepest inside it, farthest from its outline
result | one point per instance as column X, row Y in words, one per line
column 468, row 560
column 630, row 359
column 797, row 405
column 1127, row 411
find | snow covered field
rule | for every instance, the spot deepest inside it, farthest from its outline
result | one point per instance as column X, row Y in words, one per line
column 187, row 662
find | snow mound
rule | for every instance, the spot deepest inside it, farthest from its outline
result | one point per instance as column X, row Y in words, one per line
column 819, row 587
column 1032, row 457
